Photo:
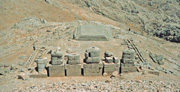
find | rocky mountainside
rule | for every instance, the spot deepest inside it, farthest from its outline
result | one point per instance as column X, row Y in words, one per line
column 155, row 17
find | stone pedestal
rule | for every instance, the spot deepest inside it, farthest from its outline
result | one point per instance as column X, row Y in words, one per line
column 73, row 70
column 109, row 68
column 56, row 71
column 128, row 69
column 93, row 69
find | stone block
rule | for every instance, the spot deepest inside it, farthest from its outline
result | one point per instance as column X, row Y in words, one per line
column 91, row 60
column 73, row 56
column 73, row 62
column 41, row 64
column 56, row 57
column 108, row 54
column 57, row 62
column 128, row 54
column 109, row 68
column 92, row 69
column 109, row 59
column 56, row 71
column 73, row 70
column 95, row 53
column 128, row 61
column 128, row 69
column 115, row 60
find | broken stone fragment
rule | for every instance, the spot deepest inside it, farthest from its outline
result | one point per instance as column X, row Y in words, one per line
column 23, row 76
column 109, row 59
column 115, row 60
column 41, row 63
column 115, row 74
column 108, row 54
column 157, row 58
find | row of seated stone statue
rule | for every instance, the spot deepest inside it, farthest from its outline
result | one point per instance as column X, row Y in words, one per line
column 92, row 65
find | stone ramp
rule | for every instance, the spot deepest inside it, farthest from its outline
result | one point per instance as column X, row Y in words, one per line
column 31, row 58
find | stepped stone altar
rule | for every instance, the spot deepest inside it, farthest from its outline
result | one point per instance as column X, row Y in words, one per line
column 128, row 59
column 92, row 32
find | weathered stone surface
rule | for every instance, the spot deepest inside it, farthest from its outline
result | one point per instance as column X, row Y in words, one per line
column 128, row 54
column 38, row 76
column 128, row 69
column 56, row 71
column 22, row 76
column 108, row 54
column 110, row 68
column 109, row 59
column 115, row 60
column 154, row 72
column 93, row 69
column 92, row 55
column 73, row 58
column 73, row 70
column 91, row 60
column 115, row 74
column 56, row 57
column 128, row 59
column 92, row 33
column 41, row 64
column 157, row 58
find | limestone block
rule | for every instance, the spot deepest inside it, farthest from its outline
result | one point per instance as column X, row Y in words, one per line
column 41, row 63
column 93, row 69
column 56, row 57
column 73, row 62
column 108, row 54
column 57, row 62
column 128, row 61
column 109, row 59
column 56, row 71
column 115, row 60
column 73, row 70
column 110, row 68
column 128, row 54
column 38, row 76
column 128, row 69
column 73, row 56
column 90, row 60
column 95, row 53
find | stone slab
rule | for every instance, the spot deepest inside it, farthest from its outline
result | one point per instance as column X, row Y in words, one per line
column 73, row 70
column 154, row 72
column 110, row 68
column 56, row 71
column 92, row 69
column 38, row 76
